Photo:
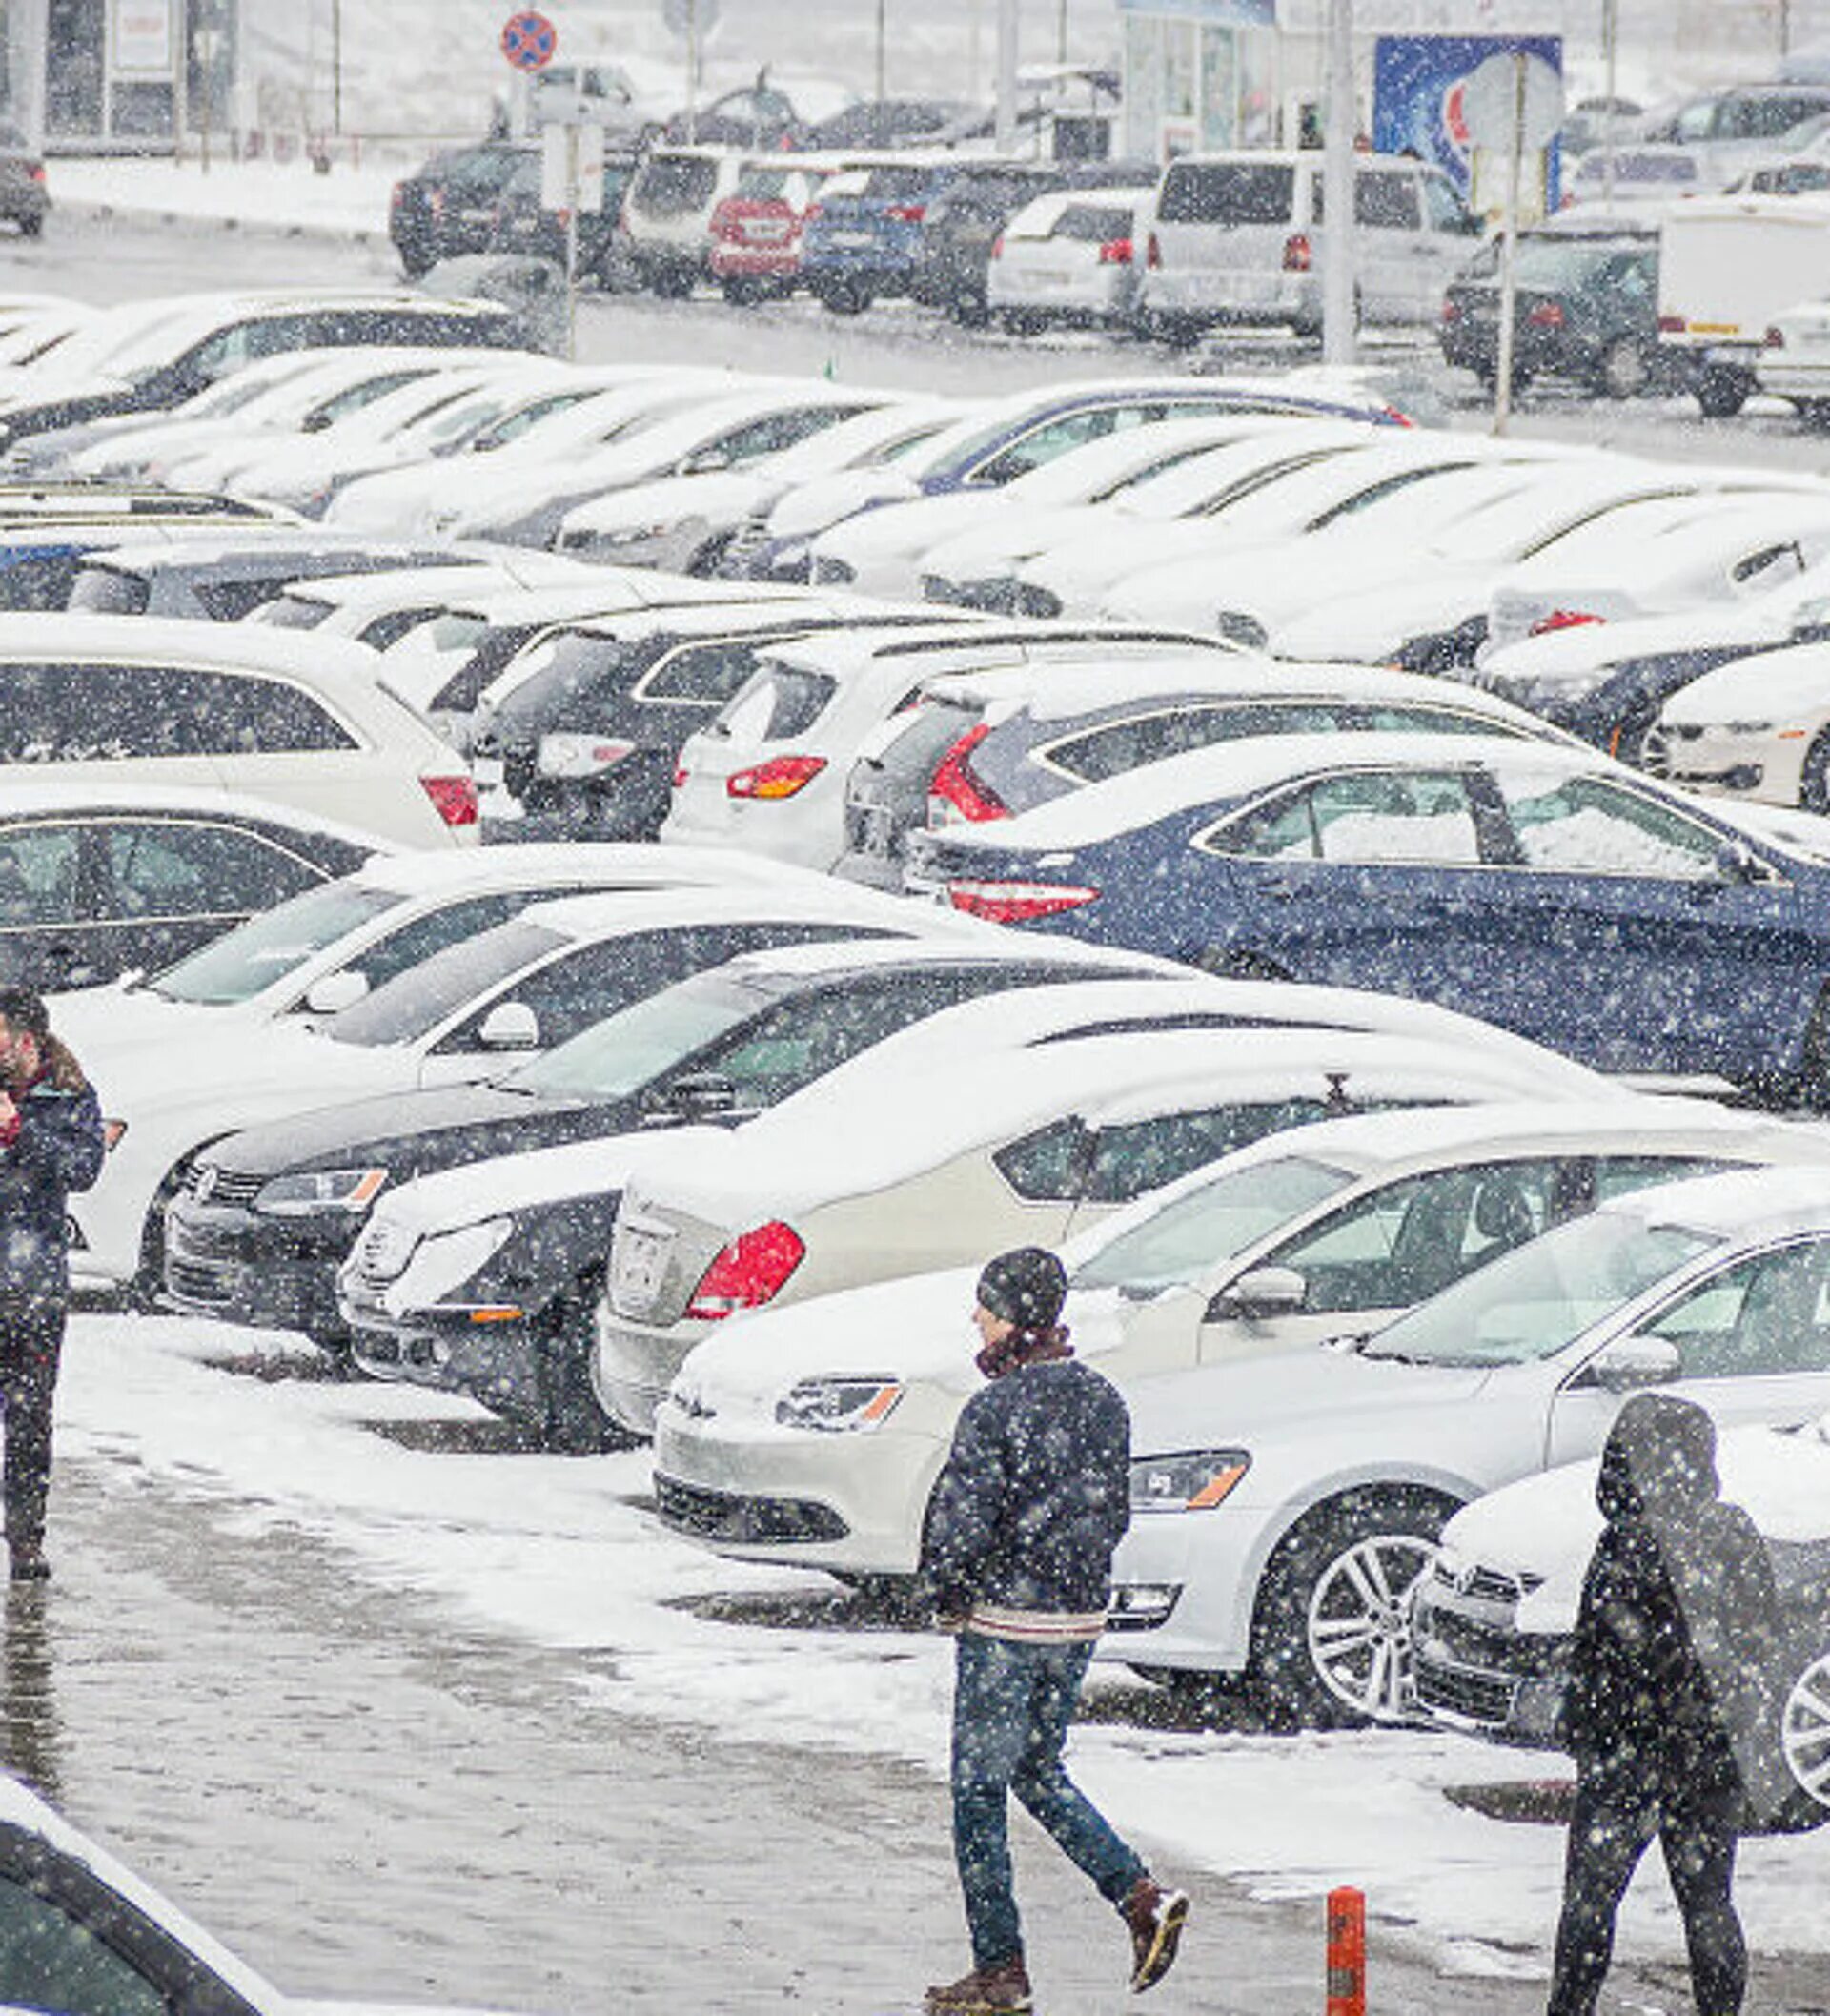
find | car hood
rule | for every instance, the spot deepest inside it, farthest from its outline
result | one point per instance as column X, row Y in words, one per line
column 1768, row 685
column 413, row 1132
column 1580, row 651
column 44, row 390
column 1015, row 536
column 811, row 508
column 914, row 526
column 1372, row 627
column 469, row 1191
column 670, row 499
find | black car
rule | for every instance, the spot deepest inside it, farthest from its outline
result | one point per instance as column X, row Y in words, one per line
column 954, row 257
column 587, row 744
column 710, row 1047
column 888, row 123
column 23, row 198
column 526, row 229
column 1586, row 308
column 95, row 885
column 448, row 206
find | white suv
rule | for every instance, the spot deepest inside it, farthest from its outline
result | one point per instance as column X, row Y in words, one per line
column 1239, row 237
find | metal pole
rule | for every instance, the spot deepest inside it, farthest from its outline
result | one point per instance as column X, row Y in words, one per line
column 1006, row 76
column 29, row 22
column 883, row 49
column 692, row 69
column 337, row 67
column 180, row 87
column 1785, row 28
column 571, row 241
column 1339, row 344
column 1611, row 49
column 1061, row 33
column 1508, row 282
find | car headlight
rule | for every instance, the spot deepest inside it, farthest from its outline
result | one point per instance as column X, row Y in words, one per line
column 447, row 1261
column 382, row 1252
column 323, row 1190
column 1748, row 728
column 836, row 1406
column 1191, row 1480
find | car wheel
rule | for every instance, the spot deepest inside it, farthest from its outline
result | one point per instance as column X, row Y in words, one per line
column 572, row 1420
column 1721, row 393
column 1641, row 739
column 1488, row 377
column 1180, row 331
column 741, row 292
column 1331, row 1635
column 1624, row 370
column 672, row 283
column 1805, row 1741
column 32, row 227
column 1814, row 776
column 1019, row 322
column 970, row 311
column 844, row 298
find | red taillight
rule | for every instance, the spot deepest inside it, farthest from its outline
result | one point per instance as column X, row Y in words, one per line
column 1672, row 325
column 1016, row 902
column 956, row 793
column 1153, row 253
column 1564, row 620
column 907, row 212
column 997, row 246
column 37, row 171
column 679, row 775
column 748, row 1272
column 812, row 211
column 452, row 798
column 1451, row 310
column 781, row 777
column 1115, row 251
column 1776, row 337
column 1546, row 315
column 1299, row 255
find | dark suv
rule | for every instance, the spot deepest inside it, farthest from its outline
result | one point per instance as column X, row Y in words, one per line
column 448, row 207
column 524, row 226
column 1587, row 309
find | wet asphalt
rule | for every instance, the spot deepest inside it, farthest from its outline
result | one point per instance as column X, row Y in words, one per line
column 367, row 1801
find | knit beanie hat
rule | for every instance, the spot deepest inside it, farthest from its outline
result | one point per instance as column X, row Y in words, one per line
column 1026, row 1287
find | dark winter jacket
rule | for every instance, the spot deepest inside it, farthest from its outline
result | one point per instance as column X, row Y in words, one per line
column 1680, row 1623
column 1035, row 1494
column 55, row 1149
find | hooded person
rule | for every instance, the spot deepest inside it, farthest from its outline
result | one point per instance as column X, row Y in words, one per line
column 1665, row 1714
column 1034, row 1498
column 51, row 1144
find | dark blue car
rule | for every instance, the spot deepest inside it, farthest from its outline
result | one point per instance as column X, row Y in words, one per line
column 861, row 238
column 1545, row 889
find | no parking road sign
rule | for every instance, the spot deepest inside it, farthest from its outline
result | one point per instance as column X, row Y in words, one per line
column 529, row 40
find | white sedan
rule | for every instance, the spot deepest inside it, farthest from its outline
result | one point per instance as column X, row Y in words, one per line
column 1756, row 728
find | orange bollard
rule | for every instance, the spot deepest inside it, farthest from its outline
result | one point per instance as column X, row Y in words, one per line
column 1346, row 1952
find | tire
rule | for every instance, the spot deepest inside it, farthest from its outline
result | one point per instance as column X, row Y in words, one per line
column 1330, row 1634
column 1017, row 322
column 1721, row 393
column 1623, row 369
column 1488, row 377
column 1804, row 1744
column 144, row 1289
column 742, row 293
column 671, row 282
column 970, row 311
column 32, row 227
column 572, row 1421
column 843, row 296
column 1180, row 331
column 1814, row 777
column 705, row 564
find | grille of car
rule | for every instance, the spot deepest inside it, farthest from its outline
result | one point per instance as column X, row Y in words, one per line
column 720, row 1515
column 205, row 1281
column 1475, row 1697
column 211, row 1184
column 1486, row 1586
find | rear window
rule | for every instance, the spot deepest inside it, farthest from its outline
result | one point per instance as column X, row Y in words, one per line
column 778, row 703
column 1227, row 193
column 1765, row 118
column 673, row 183
column 1092, row 223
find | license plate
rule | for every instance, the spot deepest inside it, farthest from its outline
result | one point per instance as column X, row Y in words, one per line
column 877, row 835
column 642, row 1265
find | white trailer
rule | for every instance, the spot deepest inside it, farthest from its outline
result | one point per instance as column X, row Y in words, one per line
column 1728, row 266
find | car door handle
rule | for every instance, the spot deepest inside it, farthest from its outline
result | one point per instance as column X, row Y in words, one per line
column 1284, row 891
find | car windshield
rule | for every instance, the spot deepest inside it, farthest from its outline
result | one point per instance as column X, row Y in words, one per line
column 1535, row 1301
column 618, row 1056
column 265, row 950
column 1204, row 1228
column 414, row 1002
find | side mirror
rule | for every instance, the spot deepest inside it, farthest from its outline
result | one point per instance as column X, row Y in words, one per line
column 510, row 1026
column 1264, row 1293
column 1737, row 862
column 1629, row 1364
column 334, row 992
column 704, row 462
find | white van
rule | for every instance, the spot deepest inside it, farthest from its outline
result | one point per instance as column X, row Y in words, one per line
column 1238, row 238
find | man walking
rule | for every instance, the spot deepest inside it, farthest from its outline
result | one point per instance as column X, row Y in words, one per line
column 51, row 1144
column 1664, row 1713
column 1035, row 1497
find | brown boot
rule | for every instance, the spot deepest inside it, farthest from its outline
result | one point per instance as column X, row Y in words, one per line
column 1000, row 1990
column 1155, row 1917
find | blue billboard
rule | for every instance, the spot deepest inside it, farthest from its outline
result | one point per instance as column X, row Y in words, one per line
column 1418, row 86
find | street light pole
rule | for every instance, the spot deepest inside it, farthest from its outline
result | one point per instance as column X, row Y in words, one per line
column 883, row 49
column 1338, row 339
column 1006, row 76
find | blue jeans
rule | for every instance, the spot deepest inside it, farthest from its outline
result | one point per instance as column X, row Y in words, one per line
column 1011, row 1706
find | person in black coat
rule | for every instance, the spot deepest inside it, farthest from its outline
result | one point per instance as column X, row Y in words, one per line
column 51, row 1144
column 1664, row 1713
column 1034, row 1498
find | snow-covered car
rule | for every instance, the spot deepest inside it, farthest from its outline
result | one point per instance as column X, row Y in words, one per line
column 1073, row 256
column 86, row 1933
column 106, row 700
column 769, row 773
column 379, row 609
column 1491, row 1616
column 223, row 577
column 1758, row 727
column 686, row 522
column 303, row 962
column 1744, row 546
column 97, row 880
column 1300, row 1237
column 1285, row 1507
column 1025, row 1151
column 1794, row 363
